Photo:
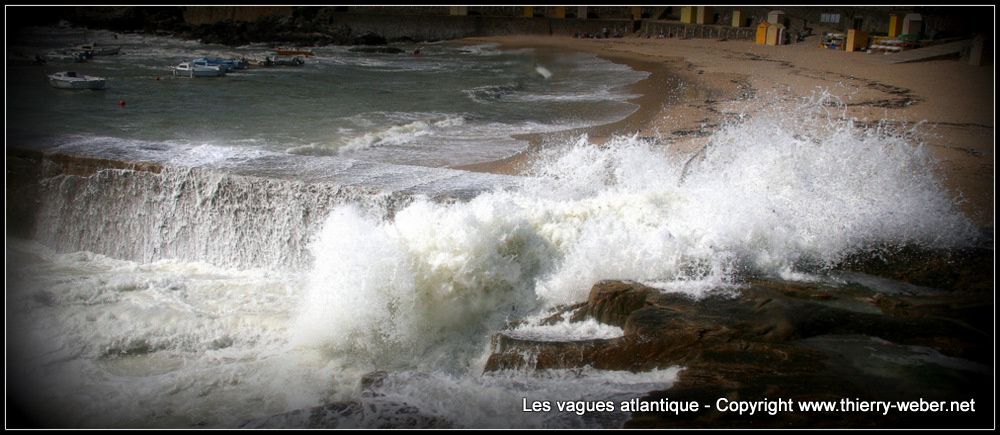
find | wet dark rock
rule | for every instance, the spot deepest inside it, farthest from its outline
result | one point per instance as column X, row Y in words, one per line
column 793, row 340
column 373, row 379
column 277, row 30
column 119, row 19
column 963, row 269
column 369, row 38
column 559, row 316
column 612, row 302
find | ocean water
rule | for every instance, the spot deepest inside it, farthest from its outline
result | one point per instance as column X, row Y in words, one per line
column 207, row 295
column 451, row 105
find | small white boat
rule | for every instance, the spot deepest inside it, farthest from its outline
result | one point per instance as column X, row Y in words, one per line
column 198, row 69
column 75, row 80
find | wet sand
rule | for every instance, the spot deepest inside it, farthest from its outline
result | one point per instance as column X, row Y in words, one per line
column 951, row 101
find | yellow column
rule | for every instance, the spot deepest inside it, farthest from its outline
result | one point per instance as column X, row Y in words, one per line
column 762, row 33
column 895, row 25
column 856, row 40
column 636, row 12
column 704, row 15
column 737, row 18
column 529, row 11
column 559, row 12
column 774, row 34
column 687, row 14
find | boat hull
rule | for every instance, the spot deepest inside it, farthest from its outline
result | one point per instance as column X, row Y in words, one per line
column 93, row 83
column 199, row 73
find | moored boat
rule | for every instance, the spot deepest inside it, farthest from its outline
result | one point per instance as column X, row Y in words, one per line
column 75, row 80
column 69, row 56
column 284, row 61
column 292, row 52
column 227, row 64
column 96, row 50
column 198, row 69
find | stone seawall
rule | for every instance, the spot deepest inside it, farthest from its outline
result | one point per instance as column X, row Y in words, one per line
column 136, row 205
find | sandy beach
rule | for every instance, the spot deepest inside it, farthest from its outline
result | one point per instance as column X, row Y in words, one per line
column 950, row 102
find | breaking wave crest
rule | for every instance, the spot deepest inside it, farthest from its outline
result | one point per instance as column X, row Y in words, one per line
column 770, row 194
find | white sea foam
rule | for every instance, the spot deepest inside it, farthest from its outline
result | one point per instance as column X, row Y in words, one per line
column 98, row 342
column 102, row 342
column 767, row 195
column 565, row 330
column 401, row 134
column 483, row 49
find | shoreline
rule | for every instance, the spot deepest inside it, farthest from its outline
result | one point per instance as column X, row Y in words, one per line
column 669, row 92
column 942, row 99
column 649, row 101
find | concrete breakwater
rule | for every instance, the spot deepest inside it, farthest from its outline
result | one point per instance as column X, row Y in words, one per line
column 140, row 205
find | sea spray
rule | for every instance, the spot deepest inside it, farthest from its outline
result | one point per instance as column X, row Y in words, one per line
column 417, row 287
column 783, row 193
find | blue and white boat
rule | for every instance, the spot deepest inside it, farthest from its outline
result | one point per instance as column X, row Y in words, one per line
column 227, row 64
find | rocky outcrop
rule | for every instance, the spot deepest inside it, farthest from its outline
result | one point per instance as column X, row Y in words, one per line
column 277, row 29
column 165, row 19
column 369, row 38
column 792, row 340
column 963, row 269
column 199, row 15
column 302, row 25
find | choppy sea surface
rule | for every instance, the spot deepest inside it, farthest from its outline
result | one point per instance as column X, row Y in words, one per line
column 206, row 295
column 451, row 104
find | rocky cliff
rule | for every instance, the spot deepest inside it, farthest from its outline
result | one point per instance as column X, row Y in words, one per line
column 305, row 26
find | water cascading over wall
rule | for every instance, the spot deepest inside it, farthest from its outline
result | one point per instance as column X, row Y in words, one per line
column 227, row 216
